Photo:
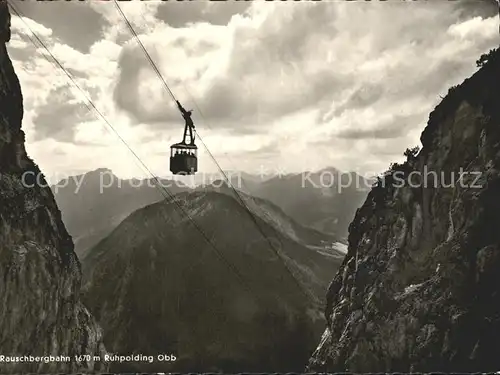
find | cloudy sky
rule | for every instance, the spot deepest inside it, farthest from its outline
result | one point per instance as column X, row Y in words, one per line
column 288, row 86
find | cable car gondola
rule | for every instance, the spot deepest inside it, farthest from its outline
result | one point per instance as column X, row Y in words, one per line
column 183, row 155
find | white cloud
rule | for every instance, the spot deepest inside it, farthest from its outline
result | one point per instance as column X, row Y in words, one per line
column 18, row 26
column 475, row 29
column 343, row 84
column 141, row 16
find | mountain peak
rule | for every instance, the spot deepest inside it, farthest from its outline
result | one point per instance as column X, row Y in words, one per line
column 99, row 172
column 239, row 280
column 329, row 170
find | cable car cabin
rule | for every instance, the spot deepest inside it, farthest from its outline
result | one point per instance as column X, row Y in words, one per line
column 184, row 155
column 183, row 159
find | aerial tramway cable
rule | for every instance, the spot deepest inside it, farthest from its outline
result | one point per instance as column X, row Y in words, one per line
column 155, row 68
column 245, row 206
column 162, row 188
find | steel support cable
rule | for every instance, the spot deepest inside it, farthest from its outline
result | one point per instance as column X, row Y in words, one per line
column 144, row 50
column 163, row 190
column 247, row 209
column 89, row 107
column 264, row 235
column 301, row 75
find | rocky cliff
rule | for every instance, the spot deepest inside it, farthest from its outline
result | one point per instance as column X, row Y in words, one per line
column 419, row 289
column 40, row 310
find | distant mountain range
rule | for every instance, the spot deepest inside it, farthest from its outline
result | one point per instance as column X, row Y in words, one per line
column 93, row 204
column 325, row 200
column 91, row 214
column 157, row 286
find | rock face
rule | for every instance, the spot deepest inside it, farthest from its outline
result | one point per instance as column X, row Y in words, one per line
column 419, row 289
column 40, row 310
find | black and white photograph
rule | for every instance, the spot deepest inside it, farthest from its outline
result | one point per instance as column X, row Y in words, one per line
column 249, row 186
